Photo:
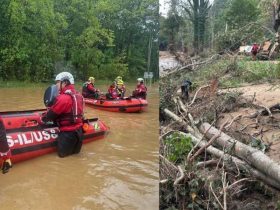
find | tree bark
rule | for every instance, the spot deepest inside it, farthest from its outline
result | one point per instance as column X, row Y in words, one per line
column 230, row 160
column 251, row 155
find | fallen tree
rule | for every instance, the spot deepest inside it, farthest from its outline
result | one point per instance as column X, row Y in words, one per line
column 192, row 66
column 230, row 160
column 265, row 168
column 252, row 156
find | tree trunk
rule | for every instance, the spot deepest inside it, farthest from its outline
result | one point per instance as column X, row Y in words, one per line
column 230, row 159
column 251, row 155
column 195, row 25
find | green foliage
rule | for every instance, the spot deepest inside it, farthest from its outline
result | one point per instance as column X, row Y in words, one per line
column 238, row 24
column 259, row 144
column 231, row 73
column 178, row 146
column 241, row 12
column 254, row 71
column 166, row 90
column 112, row 69
column 232, row 39
column 39, row 38
column 188, row 195
column 135, row 24
column 219, row 26
column 172, row 23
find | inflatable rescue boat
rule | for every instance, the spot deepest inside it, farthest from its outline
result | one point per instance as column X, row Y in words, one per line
column 28, row 137
column 118, row 105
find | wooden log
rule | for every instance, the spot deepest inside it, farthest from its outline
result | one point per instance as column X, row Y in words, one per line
column 254, row 157
column 229, row 160
column 179, row 120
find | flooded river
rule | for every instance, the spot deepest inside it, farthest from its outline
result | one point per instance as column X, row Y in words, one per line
column 118, row 172
column 167, row 61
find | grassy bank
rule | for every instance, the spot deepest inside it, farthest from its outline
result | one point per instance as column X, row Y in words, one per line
column 20, row 84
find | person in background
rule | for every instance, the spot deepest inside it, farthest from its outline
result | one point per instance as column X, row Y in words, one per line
column 67, row 112
column 185, row 88
column 112, row 92
column 254, row 51
column 5, row 151
column 89, row 91
column 140, row 90
column 120, row 86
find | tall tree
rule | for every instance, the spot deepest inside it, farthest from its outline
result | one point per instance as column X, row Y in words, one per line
column 173, row 22
column 197, row 11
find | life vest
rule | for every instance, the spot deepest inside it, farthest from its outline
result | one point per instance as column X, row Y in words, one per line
column 76, row 116
column 140, row 91
column 141, row 88
column 88, row 89
column 120, row 89
column 113, row 92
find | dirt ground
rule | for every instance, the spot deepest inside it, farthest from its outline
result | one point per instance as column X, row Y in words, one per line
column 264, row 128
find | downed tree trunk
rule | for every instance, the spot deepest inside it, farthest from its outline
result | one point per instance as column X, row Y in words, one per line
column 193, row 65
column 179, row 120
column 240, row 163
column 251, row 155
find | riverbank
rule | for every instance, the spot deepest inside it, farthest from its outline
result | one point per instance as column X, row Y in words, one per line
column 21, row 84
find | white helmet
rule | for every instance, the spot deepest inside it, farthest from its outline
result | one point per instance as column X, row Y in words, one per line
column 65, row 76
column 140, row 80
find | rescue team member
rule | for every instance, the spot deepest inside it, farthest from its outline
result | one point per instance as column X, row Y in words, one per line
column 185, row 88
column 120, row 86
column 140, row 90
column 67, row 112
column 255, row 50
column 89, row 91
column 112, row 92
column 5, row 151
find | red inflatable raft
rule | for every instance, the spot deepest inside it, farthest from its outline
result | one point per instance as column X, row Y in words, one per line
column 28, row 137
column 119, row 105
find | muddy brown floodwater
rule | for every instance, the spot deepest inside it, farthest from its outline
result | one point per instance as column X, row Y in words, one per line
column 118, row 172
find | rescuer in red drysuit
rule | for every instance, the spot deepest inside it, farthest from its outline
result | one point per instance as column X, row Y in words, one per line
column 67, row 112
column 112, row 92
column 5, row 151
column 120, row 86
column 140, row 90
column 89, row 91
column 255, row 50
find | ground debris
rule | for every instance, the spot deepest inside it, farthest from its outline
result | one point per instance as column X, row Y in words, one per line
column 221, row 183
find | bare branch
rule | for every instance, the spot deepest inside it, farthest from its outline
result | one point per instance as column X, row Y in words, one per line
column 181, row 177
